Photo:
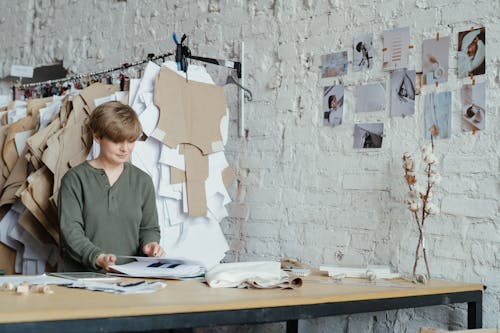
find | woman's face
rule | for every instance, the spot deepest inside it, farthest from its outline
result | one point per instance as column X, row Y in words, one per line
column 115, row 152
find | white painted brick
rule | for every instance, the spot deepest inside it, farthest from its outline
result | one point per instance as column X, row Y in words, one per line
column 267, row 212
column 269, row 196
column 468, row 165
column 240, row 211
column 365, row 181
column 304, row 192
column 461, row 206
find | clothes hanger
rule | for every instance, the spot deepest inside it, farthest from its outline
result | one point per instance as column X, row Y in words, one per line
column 248, row 93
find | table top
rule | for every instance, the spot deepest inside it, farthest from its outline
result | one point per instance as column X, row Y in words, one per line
column 196, row 296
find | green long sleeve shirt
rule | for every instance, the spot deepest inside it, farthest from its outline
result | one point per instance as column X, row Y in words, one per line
column 97, row 218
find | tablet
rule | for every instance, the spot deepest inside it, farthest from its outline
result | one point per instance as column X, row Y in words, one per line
column 86, row 276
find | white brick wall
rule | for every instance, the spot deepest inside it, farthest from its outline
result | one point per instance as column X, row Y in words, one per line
column 304, row 192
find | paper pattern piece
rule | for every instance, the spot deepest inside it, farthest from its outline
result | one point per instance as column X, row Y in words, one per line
column 396, row 46
column 435, row 54
column 438, row 113
column 190, row 112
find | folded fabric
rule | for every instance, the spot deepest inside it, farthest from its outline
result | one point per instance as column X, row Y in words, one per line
column 256, row 274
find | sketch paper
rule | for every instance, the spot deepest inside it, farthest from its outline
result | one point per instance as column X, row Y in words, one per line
column 435, row 54
column 333, row 105
column 370, row 97
column 438, row 113
column 362, row 52
column 403, row 92
column 334, row 64
column 396, row 45
column 471, row 52
column 473, row 107
column 368, row 135
column 159, row 268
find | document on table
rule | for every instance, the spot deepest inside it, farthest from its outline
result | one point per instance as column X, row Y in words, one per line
column 156, row 267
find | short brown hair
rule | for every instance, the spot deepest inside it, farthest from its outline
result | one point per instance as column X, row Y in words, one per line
column 115, row 121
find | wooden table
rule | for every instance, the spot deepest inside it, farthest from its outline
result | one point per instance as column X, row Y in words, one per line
column 193, row 304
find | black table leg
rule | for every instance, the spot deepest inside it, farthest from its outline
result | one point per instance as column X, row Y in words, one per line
column 292, row 326
column 475, row 314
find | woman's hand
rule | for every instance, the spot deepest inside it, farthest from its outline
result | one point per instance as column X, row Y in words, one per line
column 153, row 249
column 105, row 260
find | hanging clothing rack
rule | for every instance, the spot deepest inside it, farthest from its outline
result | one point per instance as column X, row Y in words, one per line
column 151, row 57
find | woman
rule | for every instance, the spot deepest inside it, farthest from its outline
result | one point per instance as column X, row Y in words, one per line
column 106, row 205
column 335, row 111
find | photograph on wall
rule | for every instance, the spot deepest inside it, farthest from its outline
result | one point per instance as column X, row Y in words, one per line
column 396, row 46
column 403, row 93
column 368, row 135
column 435, row 54
column 473, row 107
column 334, row 64
column 333, row 105
column 438, row 114
column 370, row 97
column 363, row 52
column 471, row 52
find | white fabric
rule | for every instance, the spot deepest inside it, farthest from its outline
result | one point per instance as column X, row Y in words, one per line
column 230, row 275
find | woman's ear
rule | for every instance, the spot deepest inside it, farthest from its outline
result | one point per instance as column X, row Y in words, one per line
column 96, row 138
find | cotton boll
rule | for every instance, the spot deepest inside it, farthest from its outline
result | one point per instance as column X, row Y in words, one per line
column 435, row 178
column 431, row 208
column 430, row 158
column 415, row 206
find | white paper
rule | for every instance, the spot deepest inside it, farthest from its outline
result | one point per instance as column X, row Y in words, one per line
column 22, row 71
column 9, row 222
column 396, row 44
column 172, row 157
column 146, row 85
column 133, row 87
column 4, row 100
column 149, row 119
column 48, row 113
column 38, row 279
column 199, row 239
column 20, row 140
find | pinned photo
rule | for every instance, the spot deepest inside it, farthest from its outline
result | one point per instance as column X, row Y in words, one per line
column 396, row 48
column 438, row 115
column 333, row 105
column 403, row 93
column 473, row 107
column 435, row 54
column 363, row 52
column 334, row 64
column 368, row 135
column 471, row 52
column 370, row 97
